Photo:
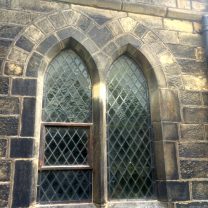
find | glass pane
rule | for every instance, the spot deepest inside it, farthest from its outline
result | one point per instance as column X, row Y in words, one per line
column 129, row 132
column 67, row 90
column 66, row 146
column 60, row 186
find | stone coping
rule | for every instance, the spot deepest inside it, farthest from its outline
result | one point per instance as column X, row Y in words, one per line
column 140, row 8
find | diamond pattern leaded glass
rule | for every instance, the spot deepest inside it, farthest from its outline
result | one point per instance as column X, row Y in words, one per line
column 67, row 90
column 59, row 186
column 66, row 146
column 130, row 167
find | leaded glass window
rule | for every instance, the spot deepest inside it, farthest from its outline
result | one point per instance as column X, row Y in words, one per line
column 130, row 167
column 65, row 167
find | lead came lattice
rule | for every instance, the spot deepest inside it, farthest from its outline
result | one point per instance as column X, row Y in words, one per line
column 129, row 132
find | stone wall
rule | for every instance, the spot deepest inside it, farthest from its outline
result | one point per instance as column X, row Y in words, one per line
column 32, row 32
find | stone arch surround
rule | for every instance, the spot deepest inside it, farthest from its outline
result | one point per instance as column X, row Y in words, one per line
column 39, row 42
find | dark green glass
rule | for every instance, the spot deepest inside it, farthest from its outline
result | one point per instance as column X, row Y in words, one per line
column 130, row 167
column 67, row 90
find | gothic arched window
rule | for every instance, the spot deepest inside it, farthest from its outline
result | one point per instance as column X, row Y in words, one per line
column 130, row 167
column 65, row 168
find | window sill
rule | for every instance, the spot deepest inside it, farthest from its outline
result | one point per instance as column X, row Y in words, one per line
column 112, row 204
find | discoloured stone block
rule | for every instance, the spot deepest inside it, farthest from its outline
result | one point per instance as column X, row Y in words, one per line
column 200, row 190
column 168, row 36
column 12, row 68
column 23, row 175
column 25, row 44
column 141, row 30
column 128, row 24
column 34, row 34
column 25, row 87
column 192, row 67
column 47, row 44
column 33, row 65
column 28, row 117
column 4, row 47
column 190, row 98
column 9, row 31
column 190, row 39
column 176, row 191
column 21, row 148
column 8, row 126
column 45, row 26
column 182, row 51
column 4, row 85
column 192, row 205
column 9, row 105
column 205, row 98
column 5, row 170
column 194, row 169
column 170, row 131
column 18, row 55
column 170, row 110
column 84, row 23
column 3, row 147
column 178, row 25
column 100, row 36
column 195, row 115
column 192, row 132
column 195, row 82
column 193, row 150
column 4, row 195
column 57, row 20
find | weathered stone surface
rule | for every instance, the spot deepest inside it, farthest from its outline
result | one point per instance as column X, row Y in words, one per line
column 190, row 39
column 170, row 110
column 192, row 132
column 173, row 191
column 18, row 55
column 5, row 170
column 178, row 25
column 128, row 39
column 115, row 27
column 182, row 51
column 12, row 68
column 8, row 126
column 84, row 23
column 17, row 17
column 140, row 30
column 200, row 190
column 9, row 31
column 5, row 4
column 206, row 131
column 21, row 148
column 193, row 150
column 25, row 87
column 170, row 131
column 23, row 175
column 4, row 47
column 28, row 117
column 100, row 36
column 9, row 105
column 190, row 98
column 47, row 44
column 45, row 26
column 194, row 169
column 57, row 20
column 195, row 82
column 195, row 115
column 3, row 147
column 25, row 44
column 174, row 82
column 148, row 21
column 205, row 98
column 4, row 195
column 33, row 65
column 168, row 36
column 34, row 34
column 4, row 85
column 192, row 205
column 171, row 167
column 128, row 24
